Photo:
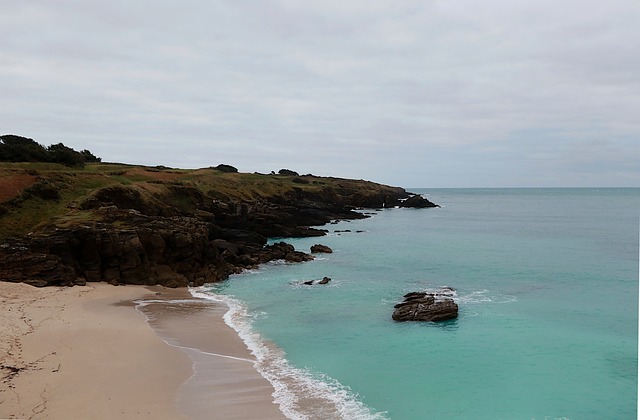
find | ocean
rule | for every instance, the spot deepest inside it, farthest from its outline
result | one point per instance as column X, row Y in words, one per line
column 547, row 285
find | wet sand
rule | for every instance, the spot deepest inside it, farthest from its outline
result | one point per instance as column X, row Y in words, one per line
column 224, row 384
column 87, row 352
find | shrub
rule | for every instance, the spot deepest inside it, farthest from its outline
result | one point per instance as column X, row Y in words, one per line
column 226, row 168
column 288, row 172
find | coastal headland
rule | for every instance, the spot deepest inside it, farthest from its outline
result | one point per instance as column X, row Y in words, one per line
column 125, row 224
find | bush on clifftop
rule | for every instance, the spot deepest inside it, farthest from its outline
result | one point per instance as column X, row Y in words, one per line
column 226, row 168
column 287, row 172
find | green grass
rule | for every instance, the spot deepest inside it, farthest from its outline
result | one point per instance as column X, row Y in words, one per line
column 33, row 213
column 74, row 218
column 28, row 213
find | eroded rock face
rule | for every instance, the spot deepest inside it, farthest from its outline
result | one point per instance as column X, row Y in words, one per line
column 149, row 250
column 20, row 264
column 427, row 306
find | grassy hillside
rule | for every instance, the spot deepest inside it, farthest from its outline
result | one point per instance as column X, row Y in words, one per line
column 35, row 195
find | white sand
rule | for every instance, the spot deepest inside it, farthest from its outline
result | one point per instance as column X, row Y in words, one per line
column 86, row 352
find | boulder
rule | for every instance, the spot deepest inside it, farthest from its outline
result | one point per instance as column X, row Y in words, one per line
column 426, row 306
column 319, row 248
column 324, row 280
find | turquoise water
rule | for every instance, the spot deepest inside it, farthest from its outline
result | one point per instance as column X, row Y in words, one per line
column 547, row 284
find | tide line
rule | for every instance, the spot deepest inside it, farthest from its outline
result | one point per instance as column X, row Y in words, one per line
column 226, row 356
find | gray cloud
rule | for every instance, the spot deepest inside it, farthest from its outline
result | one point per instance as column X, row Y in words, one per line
column 420, row 93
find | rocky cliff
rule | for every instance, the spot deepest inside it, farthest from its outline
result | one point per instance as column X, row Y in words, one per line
column 138, row 225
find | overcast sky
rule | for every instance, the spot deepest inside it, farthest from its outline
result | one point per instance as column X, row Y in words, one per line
column 416, row 93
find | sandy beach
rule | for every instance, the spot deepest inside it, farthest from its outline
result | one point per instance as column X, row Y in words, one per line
column 87, row 352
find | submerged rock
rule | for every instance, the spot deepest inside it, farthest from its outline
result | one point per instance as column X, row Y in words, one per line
column 427, row 306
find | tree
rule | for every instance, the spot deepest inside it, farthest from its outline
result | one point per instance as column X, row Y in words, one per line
column 90, row 157
column 60, row 153
column 21, row 149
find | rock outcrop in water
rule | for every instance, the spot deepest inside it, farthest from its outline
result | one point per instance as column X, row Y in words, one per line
column 325, row 280
column 427, row 306
column 319, row 248
column 417, row 201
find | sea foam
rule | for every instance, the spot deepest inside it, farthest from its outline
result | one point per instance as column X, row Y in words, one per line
column 299, row 393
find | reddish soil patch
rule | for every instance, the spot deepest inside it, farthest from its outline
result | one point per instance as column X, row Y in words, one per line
column 159, row 175
column 12, row 185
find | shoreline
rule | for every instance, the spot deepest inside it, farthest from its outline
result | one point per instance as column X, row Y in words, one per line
column 223, row 366
column 90, row 352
